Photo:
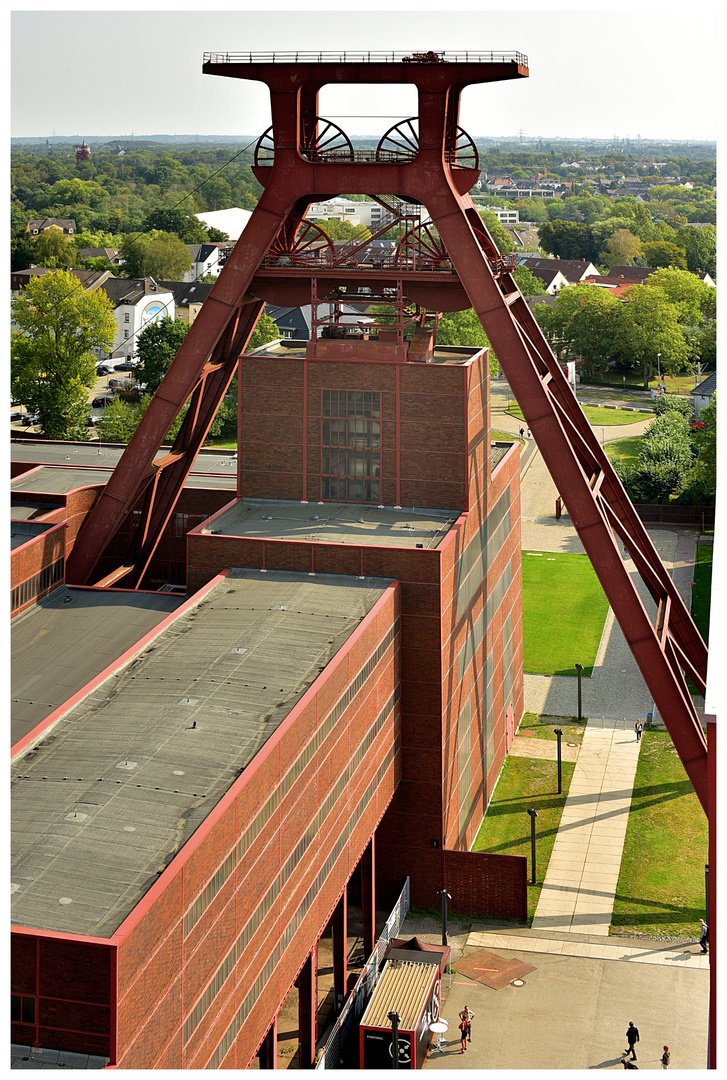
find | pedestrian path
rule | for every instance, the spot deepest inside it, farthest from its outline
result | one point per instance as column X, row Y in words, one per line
column 580, row 884
column 666, row 954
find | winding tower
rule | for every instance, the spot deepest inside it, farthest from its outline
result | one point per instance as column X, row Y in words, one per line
column 448, row 264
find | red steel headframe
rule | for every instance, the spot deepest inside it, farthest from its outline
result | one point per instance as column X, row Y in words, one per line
column 296, row 172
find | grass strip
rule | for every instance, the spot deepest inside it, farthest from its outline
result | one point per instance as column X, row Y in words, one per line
column 564, row 611
column 543, row 727
column 702, row 589
column 624, row 451
column 660, row 888
column 525, row 783
column 597, row 415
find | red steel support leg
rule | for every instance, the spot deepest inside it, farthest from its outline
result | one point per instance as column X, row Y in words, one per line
column 597, row 502
column 307, row 983
column 368, row 897
column 339, row 927
column 268, row 1052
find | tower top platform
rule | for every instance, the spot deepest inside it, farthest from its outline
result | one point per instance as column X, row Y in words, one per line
column 414, row 67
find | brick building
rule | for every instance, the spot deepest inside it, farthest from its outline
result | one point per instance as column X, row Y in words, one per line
column 324, row 715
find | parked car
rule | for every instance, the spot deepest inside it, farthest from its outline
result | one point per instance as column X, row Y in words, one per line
column 127, row 366
column 29, row 419
column 103, row 369
column 92, row 421
column 99, row 402
column 15, row 416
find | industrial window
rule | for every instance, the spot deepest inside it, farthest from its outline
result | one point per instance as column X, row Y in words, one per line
column 22, row 1009
column 351, row 446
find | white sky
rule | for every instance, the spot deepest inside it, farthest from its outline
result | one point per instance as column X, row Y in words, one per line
column 631, row 69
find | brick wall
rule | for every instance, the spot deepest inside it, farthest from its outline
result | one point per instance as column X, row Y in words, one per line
column 71, row 983
column 487, row 886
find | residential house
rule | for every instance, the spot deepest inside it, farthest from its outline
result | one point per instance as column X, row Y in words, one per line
column 702, row 393
column 295, row 323
column 137, row 302
column 571, row 270
column 67, row 226
column 188, row 298
column 112, row 254
column 205, row 260
column 89, row 279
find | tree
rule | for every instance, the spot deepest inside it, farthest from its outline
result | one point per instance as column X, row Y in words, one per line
column 157, row 345
column 266, row 329
column 184, row 225
column 687, row 293
column 568, row 240
column 342, row 230
column 120, row 420
column 703, row 486
column 500, row 235
column 464, row 328
column 56, row 325
column 700, row 246
column 155, row 254
column 581, row 323
column 623, row 249
column 528, row 283
column 665, row 459
column 647, row 324
column 662, row 253
column 54, row 250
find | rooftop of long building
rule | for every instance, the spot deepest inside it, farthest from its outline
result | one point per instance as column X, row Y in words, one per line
column 105, row 799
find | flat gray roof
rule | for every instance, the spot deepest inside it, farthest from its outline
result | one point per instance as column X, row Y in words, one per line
column 23, row 531
column 335, row 523
column 119, row 786
column 100, row 456
column 67, row 638
column 51, row 479
column 27, row 511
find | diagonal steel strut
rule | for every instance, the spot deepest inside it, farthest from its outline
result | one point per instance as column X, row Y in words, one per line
column 599, row 507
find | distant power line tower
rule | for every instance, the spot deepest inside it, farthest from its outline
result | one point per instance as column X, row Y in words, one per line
column 83, row 151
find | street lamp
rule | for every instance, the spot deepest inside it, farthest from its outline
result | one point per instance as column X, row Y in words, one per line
column 394, row 1020
column 579, row 669
column 533, row 814
column 559, row 734
column 445, row 897
column 658, row 370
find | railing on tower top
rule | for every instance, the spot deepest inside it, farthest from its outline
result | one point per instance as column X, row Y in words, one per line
column 366, row 58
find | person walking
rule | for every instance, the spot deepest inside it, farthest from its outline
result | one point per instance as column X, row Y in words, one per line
column 468, row 1016
column 522, row 432
column 703, row 936
column 665, row 1058
column 632, row 1037
column 463, row 1036
column 527, row 433
column 639, row 728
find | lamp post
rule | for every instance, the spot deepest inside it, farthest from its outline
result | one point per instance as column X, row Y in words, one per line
column 658, row 370
column 533, row 814
column 559, row 734
column 395, row 1020
column 445, row 897
column 579, row 669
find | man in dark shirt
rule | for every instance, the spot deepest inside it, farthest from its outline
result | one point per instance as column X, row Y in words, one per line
column 632, row 1037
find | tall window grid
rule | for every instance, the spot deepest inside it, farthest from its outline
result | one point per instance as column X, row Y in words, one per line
column 351, row 446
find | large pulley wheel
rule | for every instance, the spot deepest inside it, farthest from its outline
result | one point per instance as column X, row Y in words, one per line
column 307, row 242
column 329, row 144
column 421, row 248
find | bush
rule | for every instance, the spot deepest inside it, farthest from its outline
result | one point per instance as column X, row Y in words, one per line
column 672, row 403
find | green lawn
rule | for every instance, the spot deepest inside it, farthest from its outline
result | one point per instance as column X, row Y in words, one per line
column 525, row 783
column 624, row 451
column 504, row 436
column 597, row 415
column 702, row 588
column 677, row 384
column 564, row 611
column 661, row 885
column 543, row 727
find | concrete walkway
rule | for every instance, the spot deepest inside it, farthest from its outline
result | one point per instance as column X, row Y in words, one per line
column 580, row 883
